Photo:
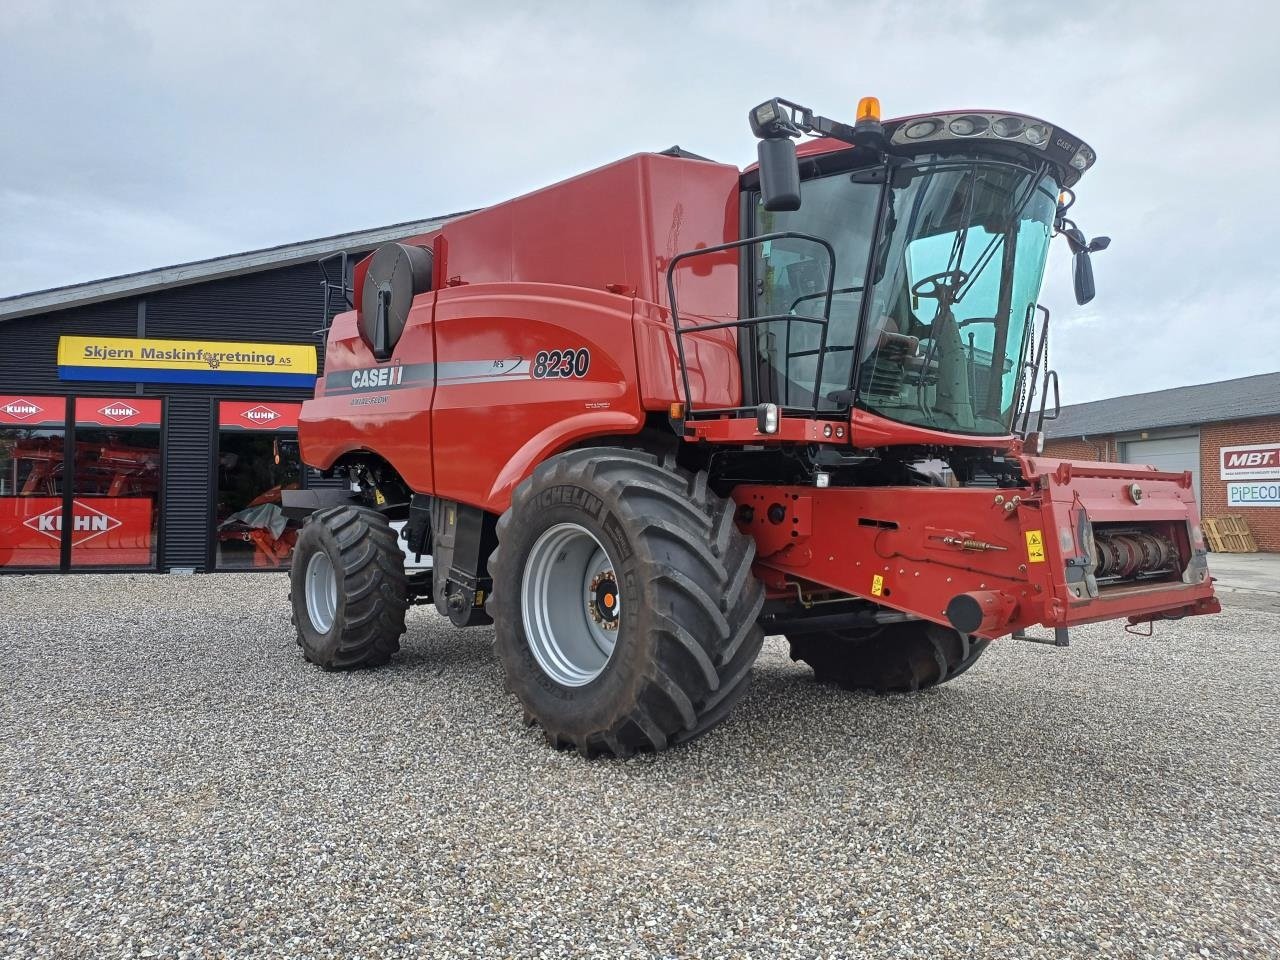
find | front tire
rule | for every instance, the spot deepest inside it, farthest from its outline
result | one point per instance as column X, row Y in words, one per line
column 897, row 658
column 348, row 588
column 624, row 604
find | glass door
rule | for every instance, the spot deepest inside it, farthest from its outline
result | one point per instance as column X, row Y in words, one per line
column 32, row 446
column 258, row 459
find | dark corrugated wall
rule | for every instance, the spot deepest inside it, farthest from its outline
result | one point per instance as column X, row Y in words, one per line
column 188, row 479
column 273, row 306
column 29, row 346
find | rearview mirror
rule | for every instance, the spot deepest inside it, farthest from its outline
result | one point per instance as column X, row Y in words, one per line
column 779, row 174
column 1085, row 289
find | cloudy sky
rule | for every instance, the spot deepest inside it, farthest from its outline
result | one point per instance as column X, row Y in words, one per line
column 142, row 134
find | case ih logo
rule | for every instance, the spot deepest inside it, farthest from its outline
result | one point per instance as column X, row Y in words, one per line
column 21, row 409
column 86, row 523
column 118, row 411
column 260, row 415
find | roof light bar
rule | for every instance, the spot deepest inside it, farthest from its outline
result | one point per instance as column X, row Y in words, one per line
column 1061, row 147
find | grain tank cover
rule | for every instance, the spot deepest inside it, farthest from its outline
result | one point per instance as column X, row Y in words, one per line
column 397, row 273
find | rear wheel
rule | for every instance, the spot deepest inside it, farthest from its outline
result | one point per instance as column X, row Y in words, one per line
column 896, row 658
column 348, row 589
column 623, row 600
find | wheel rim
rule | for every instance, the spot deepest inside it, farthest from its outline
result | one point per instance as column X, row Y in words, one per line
column 321, row 585
column 570, row 604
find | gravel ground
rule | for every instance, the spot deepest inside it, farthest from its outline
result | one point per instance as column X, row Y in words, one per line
column 176, row 781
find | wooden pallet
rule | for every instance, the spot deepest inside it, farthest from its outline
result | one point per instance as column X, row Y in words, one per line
column 1228, row 535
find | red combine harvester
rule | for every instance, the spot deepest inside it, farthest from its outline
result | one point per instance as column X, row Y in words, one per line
column 643, row 417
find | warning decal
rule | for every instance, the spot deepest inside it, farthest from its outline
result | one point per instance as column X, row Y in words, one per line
column 1035, row 546
column 877, row 585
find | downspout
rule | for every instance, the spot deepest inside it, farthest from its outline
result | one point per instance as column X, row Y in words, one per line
column 1101, row 457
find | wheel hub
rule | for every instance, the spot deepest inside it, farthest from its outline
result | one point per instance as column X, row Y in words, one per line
column 603, row 602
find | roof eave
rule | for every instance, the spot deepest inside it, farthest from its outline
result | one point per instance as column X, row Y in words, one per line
column 203, row 271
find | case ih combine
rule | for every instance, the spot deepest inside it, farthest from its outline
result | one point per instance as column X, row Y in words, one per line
column 643, row 417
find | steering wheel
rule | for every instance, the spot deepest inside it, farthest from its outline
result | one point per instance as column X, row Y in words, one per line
column 932, row 286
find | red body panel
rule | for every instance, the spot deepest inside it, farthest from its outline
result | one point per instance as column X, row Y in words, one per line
column 493, row 426
column 899, row 546
column 579, row 266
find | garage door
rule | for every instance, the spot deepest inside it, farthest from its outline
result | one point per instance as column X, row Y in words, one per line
column 1168, row 453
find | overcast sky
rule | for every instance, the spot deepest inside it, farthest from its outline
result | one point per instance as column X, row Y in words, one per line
column 142, row 134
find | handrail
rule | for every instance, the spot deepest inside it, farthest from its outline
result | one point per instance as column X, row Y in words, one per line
column 822, row 321
column 1038, row 360
column 329, row 287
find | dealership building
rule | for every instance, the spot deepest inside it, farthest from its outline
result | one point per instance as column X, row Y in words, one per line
column 149, row 421
column 1226, row 434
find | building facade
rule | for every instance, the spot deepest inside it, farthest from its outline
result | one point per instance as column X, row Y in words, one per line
column 1227, row 434
column 149, row 422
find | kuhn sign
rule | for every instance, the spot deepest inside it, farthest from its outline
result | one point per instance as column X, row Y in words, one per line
column 260, row 415
column 21, row 409
column 118, row 412
column 1257, row 461
column 104, row 531
column 86, row 523
column 245, row 415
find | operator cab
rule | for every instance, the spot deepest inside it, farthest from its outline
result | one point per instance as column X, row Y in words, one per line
column 895, row 268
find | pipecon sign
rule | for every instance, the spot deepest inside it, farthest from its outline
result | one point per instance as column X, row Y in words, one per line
column 1255, row 461
column 1253, row 494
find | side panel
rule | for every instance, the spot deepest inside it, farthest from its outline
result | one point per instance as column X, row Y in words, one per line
column 690, row 205
column 383, row 407
column 711, row 360
column 525, row 370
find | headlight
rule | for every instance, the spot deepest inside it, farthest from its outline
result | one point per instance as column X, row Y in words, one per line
column 921, row 129
column 968, row 126
column 1037, row 134
column 1008, row 127
column 1083, row 159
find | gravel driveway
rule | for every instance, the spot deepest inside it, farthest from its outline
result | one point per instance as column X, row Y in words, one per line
column 176, row 781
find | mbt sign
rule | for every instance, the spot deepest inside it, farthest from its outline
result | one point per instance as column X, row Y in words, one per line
column 1256, row 461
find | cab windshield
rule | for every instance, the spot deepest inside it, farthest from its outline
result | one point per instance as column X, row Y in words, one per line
column 954, row 272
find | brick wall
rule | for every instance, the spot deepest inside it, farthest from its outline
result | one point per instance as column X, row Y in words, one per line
column 1264, row 522
column 1094, row 448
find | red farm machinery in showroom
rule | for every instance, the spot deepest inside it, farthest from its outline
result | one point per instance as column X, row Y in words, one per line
column 639, row 419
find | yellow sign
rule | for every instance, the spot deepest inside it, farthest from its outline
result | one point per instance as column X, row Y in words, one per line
column 1035, row 546
column 877, row 585
column 186, row 361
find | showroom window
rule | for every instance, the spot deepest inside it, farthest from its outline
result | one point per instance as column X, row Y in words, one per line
column 116, row 485
column 32, row 444
column 257, row 459
column 104, row 511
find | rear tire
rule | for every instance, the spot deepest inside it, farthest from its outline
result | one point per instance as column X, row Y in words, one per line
column 348, row 588
column 896, row 658
column 624, row 604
